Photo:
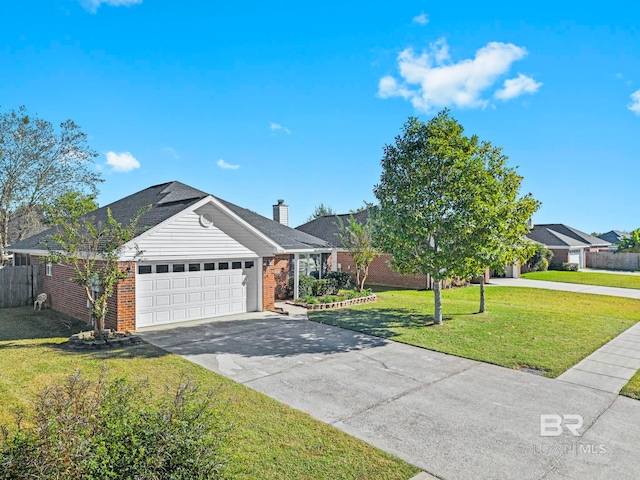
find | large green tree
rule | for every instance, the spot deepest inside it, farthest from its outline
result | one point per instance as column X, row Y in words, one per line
column 500, row 219
column 430, row 183
column 38, row 163
column 358, row 239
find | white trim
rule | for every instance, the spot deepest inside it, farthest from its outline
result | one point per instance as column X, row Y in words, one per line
column 296, row 276
column 260, row 266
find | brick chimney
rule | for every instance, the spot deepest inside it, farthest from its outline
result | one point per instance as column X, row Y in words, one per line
column 281, row 213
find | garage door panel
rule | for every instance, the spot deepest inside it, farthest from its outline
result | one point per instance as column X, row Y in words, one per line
column 179, row 283
column 162, row 300
column 181, row 296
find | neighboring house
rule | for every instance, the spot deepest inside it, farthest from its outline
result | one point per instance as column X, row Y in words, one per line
column 614, row 237
column 326, row 228
column 201, row 257
column 567, row 244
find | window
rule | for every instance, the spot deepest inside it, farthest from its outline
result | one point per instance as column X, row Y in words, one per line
column 20, row 259
column 223, row 266
column 162, row 268
column 194, row 267
column 236, row 265
column 178, row 267
column 48, row 270
column 248, row 264
column 144, row 269
column 209, row 266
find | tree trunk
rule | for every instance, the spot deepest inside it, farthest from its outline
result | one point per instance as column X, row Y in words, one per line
column 364, row 278
column 437, row 315
column 481, row 294
column 358, row 277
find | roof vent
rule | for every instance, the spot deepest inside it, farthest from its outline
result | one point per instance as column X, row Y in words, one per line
column 281, row 213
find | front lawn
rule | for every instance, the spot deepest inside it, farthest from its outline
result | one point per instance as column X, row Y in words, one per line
column 267, row 439
column 587, row 278
column 523, row 327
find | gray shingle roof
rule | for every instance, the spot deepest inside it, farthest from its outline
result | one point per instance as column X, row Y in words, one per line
column 558, row 234
column 327, row 226
column 613, row 236
column 168, row 199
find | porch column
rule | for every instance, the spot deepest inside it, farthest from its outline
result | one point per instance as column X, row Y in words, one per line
column 296, row 276
column 334, row 260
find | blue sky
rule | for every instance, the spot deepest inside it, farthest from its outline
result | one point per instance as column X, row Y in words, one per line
column 255, row 101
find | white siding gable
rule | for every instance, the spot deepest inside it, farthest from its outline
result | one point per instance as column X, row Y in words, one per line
column 185, row 237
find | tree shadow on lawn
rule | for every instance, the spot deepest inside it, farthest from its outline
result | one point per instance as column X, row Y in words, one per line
column 380, row 323
column 25, row 323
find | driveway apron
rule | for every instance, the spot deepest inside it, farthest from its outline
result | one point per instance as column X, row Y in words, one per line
column 454, row 418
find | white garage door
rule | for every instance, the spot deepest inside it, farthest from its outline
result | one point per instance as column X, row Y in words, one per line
column 170, row 292
column 574, row 257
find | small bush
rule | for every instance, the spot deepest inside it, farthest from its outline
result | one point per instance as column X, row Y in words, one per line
column 100, row 430
column 350, row 294
column 563, row 266
column 333, row 287
column 331, row 299
column 320, row 288
column 342, row 279
column 306, row 284
column 308, row 299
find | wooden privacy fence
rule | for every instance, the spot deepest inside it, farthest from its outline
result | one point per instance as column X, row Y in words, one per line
column 613, row 261
column 19, row 286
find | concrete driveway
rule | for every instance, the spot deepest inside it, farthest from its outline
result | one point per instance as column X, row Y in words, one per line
column 452, row 417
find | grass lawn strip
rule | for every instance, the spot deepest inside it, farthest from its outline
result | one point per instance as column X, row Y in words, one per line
column 268, row 440
column 632, row 389
column 524, row 327
column 587, row 278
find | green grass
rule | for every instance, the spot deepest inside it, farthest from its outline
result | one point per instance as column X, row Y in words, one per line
column 268, row 440
column 632, row 389
column 587, row 278
column 523, row 327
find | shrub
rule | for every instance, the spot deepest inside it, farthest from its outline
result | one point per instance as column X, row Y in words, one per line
column 539, row 262
column 306, row 284
column 308, row 299
column 563, row 266
column 331, row 299
column 320, row 288
column 333, row 286
column 97, row 430
column 343, row 279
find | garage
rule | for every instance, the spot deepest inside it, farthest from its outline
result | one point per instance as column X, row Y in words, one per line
column 575, row 256
column 180, row 291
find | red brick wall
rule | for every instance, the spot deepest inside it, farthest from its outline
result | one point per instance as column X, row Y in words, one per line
column 381, row 274
column 69, row 298
column 274, row 279
column 559, row 255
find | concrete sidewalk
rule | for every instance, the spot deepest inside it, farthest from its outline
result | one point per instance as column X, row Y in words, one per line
column 566, row 287
column 454, row 418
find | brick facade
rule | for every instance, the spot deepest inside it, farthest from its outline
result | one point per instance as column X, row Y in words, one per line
column 70, row 298
column 559, row 255
column 274, row 279
column 381, row 274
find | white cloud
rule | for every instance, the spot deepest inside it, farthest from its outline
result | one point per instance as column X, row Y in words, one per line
column 421, row 19
column 432, row 80
column 277, row 127
column 227, row 166
column 93, row 5
column 122, row 162
column 514, row 87
column 634, row 106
